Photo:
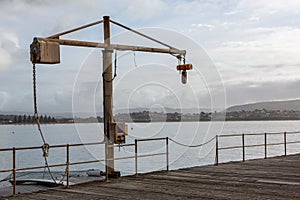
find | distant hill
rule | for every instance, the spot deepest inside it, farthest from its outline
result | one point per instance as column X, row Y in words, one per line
column 272, row 105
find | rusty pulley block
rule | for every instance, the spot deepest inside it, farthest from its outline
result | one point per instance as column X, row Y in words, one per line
column 44, row 52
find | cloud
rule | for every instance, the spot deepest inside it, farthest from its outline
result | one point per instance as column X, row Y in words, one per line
column 4, row 97
column 254, row 44
column 207, row 26
column 271, row 46
column 143, row 10
column 5, row 60
column 264, row 59
column 234, row 12
column 270, row 6
column 248, row 92
column 268, row 9
column 9, row 46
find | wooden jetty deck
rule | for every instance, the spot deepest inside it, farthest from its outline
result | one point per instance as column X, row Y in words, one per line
column 272, row 178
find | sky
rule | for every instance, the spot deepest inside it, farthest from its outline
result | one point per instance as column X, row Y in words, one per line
column 243, row 51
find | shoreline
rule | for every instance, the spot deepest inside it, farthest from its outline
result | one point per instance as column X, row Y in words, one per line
column 203, row 121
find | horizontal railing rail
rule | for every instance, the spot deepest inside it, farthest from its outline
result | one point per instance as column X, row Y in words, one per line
column 52, row 146
column 67, row 164
column 137, row 154
column 243, row 146
column 166, row 139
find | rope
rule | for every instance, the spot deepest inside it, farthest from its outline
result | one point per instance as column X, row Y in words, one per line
column 134, row 59
column 185, row 145
column 45, row 146
column 192, row 146
column 115, row 73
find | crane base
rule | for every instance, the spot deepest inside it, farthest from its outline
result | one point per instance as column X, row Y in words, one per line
column 114, row 174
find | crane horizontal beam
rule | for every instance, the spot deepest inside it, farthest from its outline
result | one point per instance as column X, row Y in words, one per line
column 115, row 46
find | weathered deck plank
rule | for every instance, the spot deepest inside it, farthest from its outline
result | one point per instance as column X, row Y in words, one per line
column 273, row 178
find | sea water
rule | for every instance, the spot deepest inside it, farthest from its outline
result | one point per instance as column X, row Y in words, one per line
column 188, row 133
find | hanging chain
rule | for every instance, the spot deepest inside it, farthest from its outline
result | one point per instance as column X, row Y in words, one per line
column 45, row 146
column 36, row 116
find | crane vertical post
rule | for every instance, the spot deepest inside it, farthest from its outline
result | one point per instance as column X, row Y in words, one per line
column 107, row 97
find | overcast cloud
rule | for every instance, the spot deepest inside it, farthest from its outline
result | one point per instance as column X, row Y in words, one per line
column 249, row 48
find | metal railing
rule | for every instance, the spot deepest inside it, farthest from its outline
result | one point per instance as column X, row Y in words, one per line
column 67, row 164
column 136, row 155
column 156, row 154
column 243, row 146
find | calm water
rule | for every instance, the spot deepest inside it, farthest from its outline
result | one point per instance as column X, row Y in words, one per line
column 190, row 133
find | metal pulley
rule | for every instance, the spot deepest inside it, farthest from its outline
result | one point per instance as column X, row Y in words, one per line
column 44, row 52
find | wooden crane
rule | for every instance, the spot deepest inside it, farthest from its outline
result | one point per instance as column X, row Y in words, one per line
column 47, row 51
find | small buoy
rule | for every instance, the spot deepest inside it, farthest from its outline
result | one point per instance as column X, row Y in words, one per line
column 13, row 132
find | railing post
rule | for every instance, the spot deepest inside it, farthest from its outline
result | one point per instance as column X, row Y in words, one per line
column 266, row 146
column 243, row 142
column 106, row 160
column 68, row 166
column 284, row 137
column 136, row 156
column 217, row 151
column 14, row 173
column 167, row 152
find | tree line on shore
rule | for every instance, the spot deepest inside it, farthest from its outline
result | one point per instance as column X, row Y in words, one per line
column 25, row 119
column 147, row 116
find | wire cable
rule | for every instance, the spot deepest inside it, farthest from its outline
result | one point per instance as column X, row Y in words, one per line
column 115, row 73
column 185, row 145
column 134, row 59
column 192, row 146
column 142, row 34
